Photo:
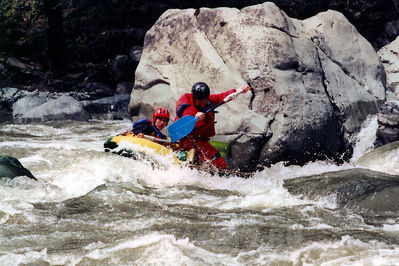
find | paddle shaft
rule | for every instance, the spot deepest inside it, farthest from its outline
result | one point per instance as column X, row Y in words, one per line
column 225, row 100
column 214, row 107
column 183, row 126
column 156, row 139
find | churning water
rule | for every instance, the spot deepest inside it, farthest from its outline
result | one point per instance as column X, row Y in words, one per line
column 91, row 207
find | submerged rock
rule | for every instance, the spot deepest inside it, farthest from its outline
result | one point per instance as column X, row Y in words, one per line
column 10, row 167
column 383, row 159
column 354, row 188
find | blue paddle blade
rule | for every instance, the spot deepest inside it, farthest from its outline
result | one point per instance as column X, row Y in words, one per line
column 181, row 127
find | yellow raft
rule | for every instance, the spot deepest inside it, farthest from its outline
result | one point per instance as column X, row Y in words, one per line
column 129, row 145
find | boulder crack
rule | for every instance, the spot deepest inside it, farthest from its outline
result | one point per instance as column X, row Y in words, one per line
column 196, row 14
column 337, row 112
column 346, row 71
column 153, row 82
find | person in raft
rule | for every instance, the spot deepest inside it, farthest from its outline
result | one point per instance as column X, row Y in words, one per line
column 144, row 126
column 196, row 104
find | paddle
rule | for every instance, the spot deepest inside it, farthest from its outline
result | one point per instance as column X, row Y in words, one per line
column 186, row 124
column 156, row 139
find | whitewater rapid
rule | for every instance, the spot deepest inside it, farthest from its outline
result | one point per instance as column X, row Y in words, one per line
column 92, row 207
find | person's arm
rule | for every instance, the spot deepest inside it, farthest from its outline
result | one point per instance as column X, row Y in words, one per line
column 142, row 126
column 194, row 112
column 217, row 98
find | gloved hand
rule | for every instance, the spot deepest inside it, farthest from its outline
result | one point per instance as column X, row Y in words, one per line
column 200, row 116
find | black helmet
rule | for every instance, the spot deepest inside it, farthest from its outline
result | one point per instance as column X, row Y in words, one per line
column 200, row 91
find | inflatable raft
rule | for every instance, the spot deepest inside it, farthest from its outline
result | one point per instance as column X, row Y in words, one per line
column 128, row 145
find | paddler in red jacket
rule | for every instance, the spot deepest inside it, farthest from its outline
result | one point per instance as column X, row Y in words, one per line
column 195, row 104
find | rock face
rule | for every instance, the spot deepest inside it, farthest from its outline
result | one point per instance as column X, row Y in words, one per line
column 314, row 81
column 389, row 56
column 388, row 123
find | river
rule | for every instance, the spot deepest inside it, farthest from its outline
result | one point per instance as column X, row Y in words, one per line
column 89, row 207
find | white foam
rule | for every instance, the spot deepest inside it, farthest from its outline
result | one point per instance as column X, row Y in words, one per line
column 346, row 251
column 74, row 164
column 364, row 140
column 26, row 258
column 386, row 163
column 391, row 227
column 155, row 249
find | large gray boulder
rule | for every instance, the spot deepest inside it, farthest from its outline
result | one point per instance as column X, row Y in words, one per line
column 29, row 102
column 62, row 108
column 315, row 81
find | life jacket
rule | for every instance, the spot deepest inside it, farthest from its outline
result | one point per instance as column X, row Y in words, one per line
column 204, row 132
column 184, row 106
column 146, row 127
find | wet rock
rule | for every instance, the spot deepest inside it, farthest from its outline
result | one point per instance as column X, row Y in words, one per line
column 388, row 123
column 117, row 117
column 135, row 53
column 15, row 73
column 97, row 90
column 5, row 115
column 355, row 188
column 63, row 108
column 124, row 87
column 8, row 96
column 251, row 144
column 29, row 102
column 389, row 56
column 122, row 68
column 117, row 103
column 10, row 167
column 310, row 91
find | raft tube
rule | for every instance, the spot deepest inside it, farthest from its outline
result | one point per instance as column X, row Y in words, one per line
column 128, row 145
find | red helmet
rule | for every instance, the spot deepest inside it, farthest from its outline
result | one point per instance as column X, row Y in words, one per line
column 160, row 112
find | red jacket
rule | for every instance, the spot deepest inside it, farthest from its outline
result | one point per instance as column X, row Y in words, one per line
column 204, row 129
